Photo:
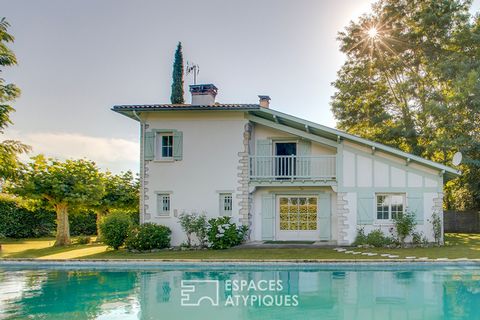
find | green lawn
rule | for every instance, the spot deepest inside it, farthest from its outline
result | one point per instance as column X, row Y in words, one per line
column 457, row 246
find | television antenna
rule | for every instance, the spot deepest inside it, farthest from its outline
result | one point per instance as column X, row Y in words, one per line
column 193, row 68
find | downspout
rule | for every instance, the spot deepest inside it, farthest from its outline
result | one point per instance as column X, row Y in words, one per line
column 142, row 168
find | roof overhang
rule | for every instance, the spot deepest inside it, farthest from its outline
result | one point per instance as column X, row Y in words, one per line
column 131, row 110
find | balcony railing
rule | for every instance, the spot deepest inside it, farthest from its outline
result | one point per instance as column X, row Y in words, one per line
column 293, row 167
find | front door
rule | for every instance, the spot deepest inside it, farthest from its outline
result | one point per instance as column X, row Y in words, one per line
column 297, row 217
column 285, row 163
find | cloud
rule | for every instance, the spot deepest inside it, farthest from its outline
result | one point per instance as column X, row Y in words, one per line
column 109, row 153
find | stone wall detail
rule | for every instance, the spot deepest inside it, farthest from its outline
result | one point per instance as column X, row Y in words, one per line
column 243, row 178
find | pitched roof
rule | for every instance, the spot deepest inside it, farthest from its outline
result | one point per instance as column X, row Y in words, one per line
column 285, row 119
column 334, row 134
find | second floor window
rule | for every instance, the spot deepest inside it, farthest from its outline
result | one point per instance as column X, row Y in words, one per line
column 164, row 146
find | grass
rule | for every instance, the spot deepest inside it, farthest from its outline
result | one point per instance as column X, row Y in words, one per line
column 457, row 246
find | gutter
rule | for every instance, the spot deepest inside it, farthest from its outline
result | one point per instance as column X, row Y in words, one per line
column 142, row 167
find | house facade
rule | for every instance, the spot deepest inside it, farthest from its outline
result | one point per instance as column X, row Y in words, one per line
column 285, row 177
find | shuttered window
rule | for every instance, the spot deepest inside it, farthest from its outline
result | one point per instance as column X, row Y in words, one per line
column 164, row 147
column 390, row 206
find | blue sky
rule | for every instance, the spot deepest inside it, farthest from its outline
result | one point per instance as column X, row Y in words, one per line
column 78, row 58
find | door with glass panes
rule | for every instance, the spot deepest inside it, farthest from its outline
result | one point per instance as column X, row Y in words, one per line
column 297, row 217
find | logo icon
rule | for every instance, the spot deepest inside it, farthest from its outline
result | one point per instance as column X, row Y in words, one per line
column 194, row 292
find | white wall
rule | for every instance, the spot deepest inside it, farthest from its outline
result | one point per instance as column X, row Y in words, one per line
column 382, row 173
column 262, row 132
column 211, row 143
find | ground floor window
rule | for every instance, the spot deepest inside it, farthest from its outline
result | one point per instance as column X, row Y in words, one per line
column 226, row 204
column 163, row 204
column 298, row 213
column 390, row 206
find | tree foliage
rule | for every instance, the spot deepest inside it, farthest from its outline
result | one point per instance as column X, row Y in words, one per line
column 72, row 183
column 9, row 149
column 411, row 81
column 122, row 192
column 177, row 77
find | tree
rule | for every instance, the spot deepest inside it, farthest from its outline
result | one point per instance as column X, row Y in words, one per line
column 177, row 77
column 122, row 192
column 9, row 149
column 62, row 185
column 411, row 81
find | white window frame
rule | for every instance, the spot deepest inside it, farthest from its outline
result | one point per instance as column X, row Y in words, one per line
column 159, row 146
column 389, row 194
column 160, row 210
column 222, row 197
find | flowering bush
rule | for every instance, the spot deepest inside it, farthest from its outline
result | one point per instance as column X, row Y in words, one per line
column 223, row 233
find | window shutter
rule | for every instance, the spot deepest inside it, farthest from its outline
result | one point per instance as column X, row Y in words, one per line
column 268, row 213
column 415, row 205
column 303, row 164
column 264, row 160
column 149, row 146
column 324, row 212
column 177, row 145
column 365, row 205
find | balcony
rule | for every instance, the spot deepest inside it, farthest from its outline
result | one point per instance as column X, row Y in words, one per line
column 293, row 168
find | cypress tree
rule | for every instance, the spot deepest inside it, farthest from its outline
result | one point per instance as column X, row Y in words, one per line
column 177, row 77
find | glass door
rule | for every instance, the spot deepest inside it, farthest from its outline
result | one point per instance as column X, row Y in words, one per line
column 285, row 160
column 297, row 218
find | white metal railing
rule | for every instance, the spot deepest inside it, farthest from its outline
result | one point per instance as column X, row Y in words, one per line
column 293, row 167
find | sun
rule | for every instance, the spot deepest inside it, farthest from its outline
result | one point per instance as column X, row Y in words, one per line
column 372, row 33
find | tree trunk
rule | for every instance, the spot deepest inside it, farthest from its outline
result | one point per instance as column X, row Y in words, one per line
column 63, row 226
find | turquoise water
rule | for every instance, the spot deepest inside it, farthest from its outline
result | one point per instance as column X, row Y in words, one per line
column 338, row 292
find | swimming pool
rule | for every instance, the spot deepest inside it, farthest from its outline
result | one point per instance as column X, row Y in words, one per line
column 240, row 291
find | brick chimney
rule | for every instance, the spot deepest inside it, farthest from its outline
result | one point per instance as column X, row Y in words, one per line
column 264, row 101
column 203, row 94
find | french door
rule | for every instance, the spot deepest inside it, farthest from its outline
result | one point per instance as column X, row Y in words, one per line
column 297, row 217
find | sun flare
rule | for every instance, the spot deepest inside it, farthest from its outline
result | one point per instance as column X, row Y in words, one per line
column 372, row 33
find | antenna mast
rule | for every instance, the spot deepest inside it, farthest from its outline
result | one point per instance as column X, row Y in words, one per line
column 194, row 69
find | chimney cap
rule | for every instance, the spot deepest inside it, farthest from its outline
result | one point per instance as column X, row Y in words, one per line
column 201, row 88
column 264, row 97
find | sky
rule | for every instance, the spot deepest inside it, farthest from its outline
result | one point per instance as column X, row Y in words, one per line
column 78, row 58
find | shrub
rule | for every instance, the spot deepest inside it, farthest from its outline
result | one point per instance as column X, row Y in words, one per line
column 224, row 234
column 375, row 238
column 19, row 220
column 83, row 223
column 148, row 236
column 361, row 238
column 436, row 222
column 114, row 228
column 404, row 225
column 194, row 224
column 83, row 240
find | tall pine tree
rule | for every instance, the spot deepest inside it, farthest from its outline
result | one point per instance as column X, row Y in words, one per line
column 177, row 77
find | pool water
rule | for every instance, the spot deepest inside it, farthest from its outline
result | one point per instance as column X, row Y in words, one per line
column 235, row 292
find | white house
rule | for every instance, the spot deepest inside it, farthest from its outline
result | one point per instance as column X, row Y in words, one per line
column 285, row 177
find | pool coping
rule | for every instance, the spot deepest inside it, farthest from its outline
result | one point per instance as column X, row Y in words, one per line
column 35, row 262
